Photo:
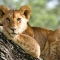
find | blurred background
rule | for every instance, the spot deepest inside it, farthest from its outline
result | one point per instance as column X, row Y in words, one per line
column 45, row 13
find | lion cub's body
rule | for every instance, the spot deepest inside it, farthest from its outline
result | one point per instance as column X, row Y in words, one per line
column 16, row 28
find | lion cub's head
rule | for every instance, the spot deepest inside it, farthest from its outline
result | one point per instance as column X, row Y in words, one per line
column 15, row 21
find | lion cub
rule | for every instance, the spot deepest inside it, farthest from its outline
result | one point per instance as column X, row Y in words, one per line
column 14, row 23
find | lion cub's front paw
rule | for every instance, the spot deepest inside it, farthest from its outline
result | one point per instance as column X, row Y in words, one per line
column 1, row 28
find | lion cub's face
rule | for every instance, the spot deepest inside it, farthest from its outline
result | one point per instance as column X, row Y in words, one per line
column 14, row 23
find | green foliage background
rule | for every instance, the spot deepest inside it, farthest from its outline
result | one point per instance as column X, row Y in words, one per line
column 41, row 16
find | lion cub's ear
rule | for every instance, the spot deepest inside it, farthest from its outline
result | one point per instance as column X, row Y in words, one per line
column 25, row 10
column 3, row 11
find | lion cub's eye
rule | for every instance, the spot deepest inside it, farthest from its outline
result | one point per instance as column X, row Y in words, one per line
column 18, row 19
column 8, row 19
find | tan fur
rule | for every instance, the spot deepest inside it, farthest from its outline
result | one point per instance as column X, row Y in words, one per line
column 47, row 39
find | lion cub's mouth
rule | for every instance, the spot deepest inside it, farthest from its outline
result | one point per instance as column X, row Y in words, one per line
column 13, row 34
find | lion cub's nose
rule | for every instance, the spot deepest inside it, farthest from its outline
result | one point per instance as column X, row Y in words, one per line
column 13, row 29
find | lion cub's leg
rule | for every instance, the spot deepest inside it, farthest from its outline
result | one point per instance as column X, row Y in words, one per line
column 53, row 51
column 28, row 44
column 54, row 38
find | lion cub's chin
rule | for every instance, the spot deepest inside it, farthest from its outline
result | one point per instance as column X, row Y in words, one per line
column 14, row 35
